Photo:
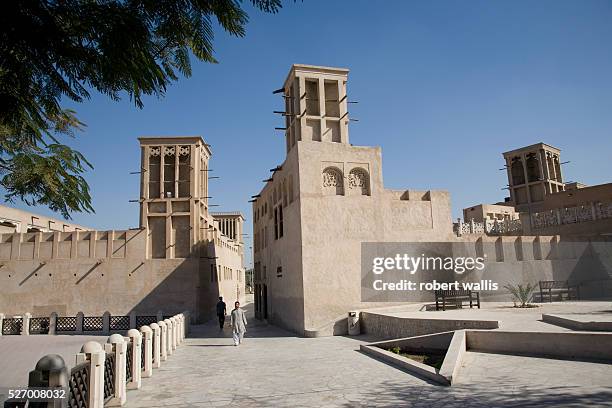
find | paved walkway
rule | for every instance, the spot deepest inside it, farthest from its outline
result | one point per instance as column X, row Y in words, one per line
column 273, row 368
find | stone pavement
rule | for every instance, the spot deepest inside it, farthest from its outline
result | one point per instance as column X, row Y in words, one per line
column 274, row 368
column 19, row 355
column 510, row 318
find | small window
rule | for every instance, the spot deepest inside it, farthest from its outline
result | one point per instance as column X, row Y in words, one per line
column 279, row 272
column 312, row 97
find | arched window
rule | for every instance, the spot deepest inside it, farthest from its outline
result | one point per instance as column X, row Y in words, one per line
column 333, row 182
column 359, row 181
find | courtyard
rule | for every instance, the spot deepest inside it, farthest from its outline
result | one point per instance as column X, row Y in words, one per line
column 275, row 368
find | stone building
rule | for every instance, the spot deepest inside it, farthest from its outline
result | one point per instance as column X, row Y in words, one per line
column 533, row 172
column 542, row 201
column 179, row 259
column 490, row 212
column 16, row 220
column 321, row 203
column 585, row 211
column 327, row 198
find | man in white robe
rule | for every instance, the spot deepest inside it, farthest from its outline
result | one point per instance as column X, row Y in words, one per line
column 239, row 323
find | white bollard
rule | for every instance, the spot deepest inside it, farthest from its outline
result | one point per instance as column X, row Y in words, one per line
column 93, row 354
column 168, row 337
column 148, row 351
column 1, row 322
column 156, row 346
column 116, row 345
column 174, row 332
column 136, row 373
column 180, row 328
column 163, row 346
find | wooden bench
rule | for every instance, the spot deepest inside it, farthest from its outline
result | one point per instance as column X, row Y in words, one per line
column 456, row 297
column 557, row 287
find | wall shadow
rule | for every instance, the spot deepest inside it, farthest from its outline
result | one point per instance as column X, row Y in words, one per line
column 187, row 287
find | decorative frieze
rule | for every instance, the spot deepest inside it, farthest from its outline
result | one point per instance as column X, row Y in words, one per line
column 571, row 215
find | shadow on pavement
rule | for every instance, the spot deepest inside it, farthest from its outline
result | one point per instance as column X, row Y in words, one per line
column 255, row 328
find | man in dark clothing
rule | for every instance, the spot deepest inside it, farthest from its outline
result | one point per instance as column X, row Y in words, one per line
column 221, row 312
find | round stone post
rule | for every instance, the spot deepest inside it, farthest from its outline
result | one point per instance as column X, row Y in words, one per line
column 174, row 332
column 135, row 373
column 163, row 340
column 1, row 322
column 147, row 336
column 156, row 338
column 116, row 345
column 50, row 371
column 25, row 324
column 181, row 329
column 93, row 354
column 168, row 337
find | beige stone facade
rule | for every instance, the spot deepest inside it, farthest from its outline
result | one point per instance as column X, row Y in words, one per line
column 327, row 198
column 178, row 260
column 541, row 201
column 319, row 205
column 16, row 220
column 583, row 211
column 489, row 212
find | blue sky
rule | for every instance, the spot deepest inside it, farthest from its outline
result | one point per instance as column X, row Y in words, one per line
column 443, row 86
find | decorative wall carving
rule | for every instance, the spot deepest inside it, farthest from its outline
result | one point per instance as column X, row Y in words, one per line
column 489, row 227
column 168, row 150
column 571, row 215
column 184, row 150
column 155, row 151
column 333, row 181
column 359, row 179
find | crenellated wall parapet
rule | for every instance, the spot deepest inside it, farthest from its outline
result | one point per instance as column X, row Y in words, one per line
column 71, row 245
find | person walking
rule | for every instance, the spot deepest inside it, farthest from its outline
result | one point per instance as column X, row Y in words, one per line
column 239, row 324
column 221, row 312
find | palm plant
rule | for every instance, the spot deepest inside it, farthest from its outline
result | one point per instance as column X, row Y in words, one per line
column 521, row 293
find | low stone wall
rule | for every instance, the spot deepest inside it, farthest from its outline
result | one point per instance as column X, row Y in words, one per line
column 27, row 324
column 391, row 327
column 589, row 346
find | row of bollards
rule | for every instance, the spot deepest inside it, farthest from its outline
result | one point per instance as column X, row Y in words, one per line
column 103, row 374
